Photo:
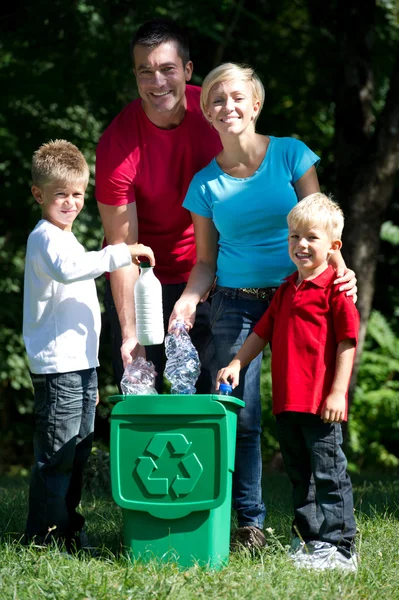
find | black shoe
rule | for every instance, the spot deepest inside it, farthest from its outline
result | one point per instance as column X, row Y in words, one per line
column 249, row 537
column 80, row 543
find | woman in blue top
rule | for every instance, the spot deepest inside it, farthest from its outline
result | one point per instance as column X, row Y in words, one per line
column 239, row 204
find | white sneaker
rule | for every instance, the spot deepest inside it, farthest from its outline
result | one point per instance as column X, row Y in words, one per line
column 344, row 563
column 301, row 552
column 322, row 556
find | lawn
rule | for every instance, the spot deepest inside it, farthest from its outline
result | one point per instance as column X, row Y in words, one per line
column 28, row 573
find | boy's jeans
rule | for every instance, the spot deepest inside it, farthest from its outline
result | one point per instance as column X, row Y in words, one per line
column 323, row 506
column 65, row 406
column 233, row 318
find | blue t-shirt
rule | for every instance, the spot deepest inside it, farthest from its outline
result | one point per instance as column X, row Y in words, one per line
column 250, row 214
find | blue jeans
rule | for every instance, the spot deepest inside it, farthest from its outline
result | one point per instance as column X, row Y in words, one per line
column 201, row 336
column 65, row 405
column 322, row 489
column 233, row 318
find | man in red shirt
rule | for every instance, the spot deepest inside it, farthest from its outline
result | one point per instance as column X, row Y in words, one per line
column 313, row 330
column 146, row 159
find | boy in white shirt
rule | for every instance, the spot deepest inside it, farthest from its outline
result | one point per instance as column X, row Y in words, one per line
column 61, row 328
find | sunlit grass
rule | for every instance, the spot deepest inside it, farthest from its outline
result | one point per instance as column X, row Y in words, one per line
column 31, row 573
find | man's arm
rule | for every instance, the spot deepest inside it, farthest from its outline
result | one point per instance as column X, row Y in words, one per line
column 120, row 224
column 334, row 406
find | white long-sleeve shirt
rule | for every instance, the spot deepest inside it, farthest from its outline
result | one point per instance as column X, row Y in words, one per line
column 62, row 318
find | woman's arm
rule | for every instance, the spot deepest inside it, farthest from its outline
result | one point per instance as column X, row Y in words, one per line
column 202, row 275
column 307, row 184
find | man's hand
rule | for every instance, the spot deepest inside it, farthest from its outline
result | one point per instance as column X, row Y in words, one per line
column 230, row 374
column 97, row 398
column 333, row 409
column 346, row 279
column 130, row 350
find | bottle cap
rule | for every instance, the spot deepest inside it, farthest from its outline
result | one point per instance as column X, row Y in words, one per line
column 145, row 264
column 225, row 387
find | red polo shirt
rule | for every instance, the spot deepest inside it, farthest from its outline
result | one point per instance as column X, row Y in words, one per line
column 305, row 324
column 139, row 162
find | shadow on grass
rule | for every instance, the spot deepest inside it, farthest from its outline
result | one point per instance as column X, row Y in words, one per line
column 373, row 494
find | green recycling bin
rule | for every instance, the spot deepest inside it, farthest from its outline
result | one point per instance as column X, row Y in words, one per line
column 172, row 460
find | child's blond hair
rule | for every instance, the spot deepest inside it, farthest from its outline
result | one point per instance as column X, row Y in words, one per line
column 318, row 210
column 228, row 72
column 59, row 160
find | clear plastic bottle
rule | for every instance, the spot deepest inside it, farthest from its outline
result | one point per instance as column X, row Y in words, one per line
column 148, row 302
column 225, row 389
column 139, row 378
column 182, row 362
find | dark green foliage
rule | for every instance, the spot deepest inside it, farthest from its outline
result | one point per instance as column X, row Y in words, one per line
column 375, row 411
column 65, row 72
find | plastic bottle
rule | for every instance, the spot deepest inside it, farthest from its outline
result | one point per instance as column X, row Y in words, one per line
column 182, row 362
column 225, row 389
column 139, row 378
column 148, row 301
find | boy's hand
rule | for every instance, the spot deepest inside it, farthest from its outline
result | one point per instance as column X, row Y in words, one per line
column 137, row 250
column 98, row 398
column 333, row 409
column 230, row 374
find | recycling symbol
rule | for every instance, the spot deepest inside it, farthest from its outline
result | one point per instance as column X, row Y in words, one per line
column 147, row 467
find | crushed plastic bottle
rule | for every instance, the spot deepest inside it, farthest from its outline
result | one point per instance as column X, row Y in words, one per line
column 139, row 378
column 182, row 362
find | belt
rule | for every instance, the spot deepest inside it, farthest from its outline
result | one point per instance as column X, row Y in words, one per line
column 265, row 294
column 258, row 293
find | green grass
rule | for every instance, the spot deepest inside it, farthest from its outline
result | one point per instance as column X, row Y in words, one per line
column 26, row 573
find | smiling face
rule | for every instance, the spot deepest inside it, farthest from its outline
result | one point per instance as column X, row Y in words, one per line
column 231, row 107
column 310, row 249
column 61, row 202
column 161, row 81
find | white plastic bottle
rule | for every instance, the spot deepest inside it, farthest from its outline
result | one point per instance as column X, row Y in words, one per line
column 148, row 301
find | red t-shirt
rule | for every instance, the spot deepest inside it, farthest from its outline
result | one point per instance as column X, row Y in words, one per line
column 139, row 162
column 305, row 324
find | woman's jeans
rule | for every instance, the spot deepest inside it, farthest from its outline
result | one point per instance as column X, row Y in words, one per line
column 233, row 319
column 65, row 405
column 323, row 504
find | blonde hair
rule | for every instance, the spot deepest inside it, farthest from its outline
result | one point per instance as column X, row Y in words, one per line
column 318, row 210
column 58, row 160
column 227, row 72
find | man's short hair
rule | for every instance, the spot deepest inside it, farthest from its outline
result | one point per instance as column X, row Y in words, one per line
column 318, row 210
column 229, row 72
column 159, row 31
column 59, row 160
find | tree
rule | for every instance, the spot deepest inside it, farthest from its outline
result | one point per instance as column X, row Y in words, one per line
column 366, row 140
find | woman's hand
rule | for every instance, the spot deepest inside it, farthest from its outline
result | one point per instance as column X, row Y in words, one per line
column 346, row 279
column 183, row 311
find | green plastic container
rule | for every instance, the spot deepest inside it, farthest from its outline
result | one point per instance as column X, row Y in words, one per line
column 172, row 459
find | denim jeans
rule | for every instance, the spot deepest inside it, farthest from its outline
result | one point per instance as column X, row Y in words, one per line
column 65, row 405
column 233, row 319
column 323, row 504
column 201, row 336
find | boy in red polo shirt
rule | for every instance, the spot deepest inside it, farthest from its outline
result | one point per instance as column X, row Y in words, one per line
column 313, row 331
